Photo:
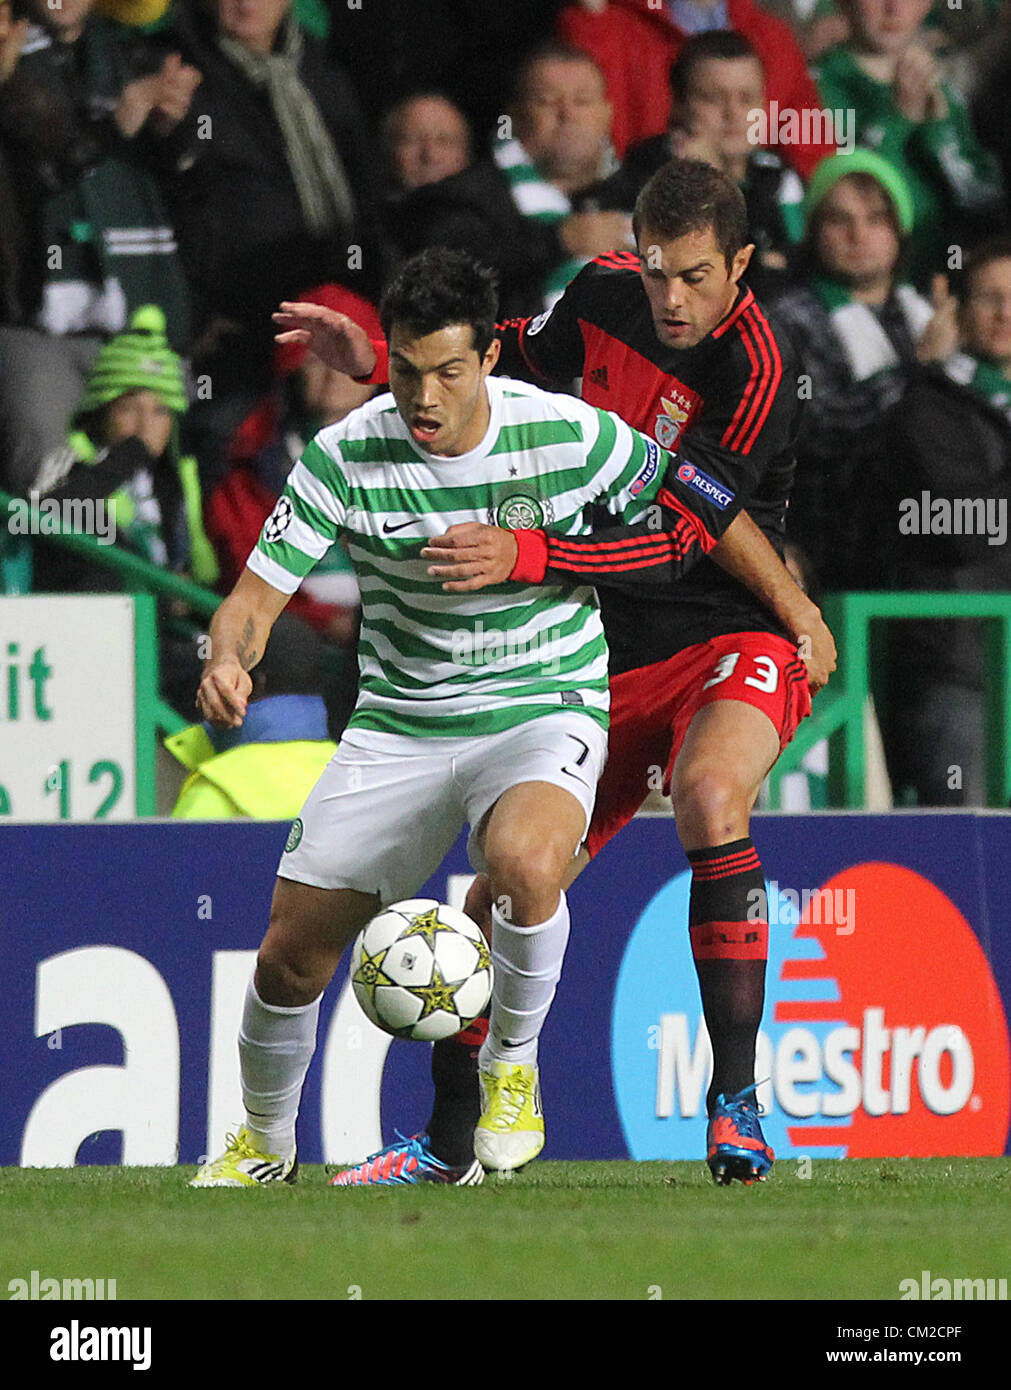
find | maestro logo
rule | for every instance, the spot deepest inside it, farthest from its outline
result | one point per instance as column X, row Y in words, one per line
column 889, row 1039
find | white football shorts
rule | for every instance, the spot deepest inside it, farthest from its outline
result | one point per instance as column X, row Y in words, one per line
column 388, row 807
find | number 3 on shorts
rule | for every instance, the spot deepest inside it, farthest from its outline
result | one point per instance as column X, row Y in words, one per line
column 768, row 672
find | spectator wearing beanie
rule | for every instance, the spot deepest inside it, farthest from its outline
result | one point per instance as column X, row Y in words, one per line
column 123, row 447
column 123, row 450
column 858, row 328
column 134, row 14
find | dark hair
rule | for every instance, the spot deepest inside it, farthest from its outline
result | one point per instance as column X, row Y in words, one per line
column 722, row 44
column 412, row 95
column 688, row 195
column 439, row 287
column 994, row 248
column 551, row 51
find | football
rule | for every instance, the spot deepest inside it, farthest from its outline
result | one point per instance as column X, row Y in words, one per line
column 421, row 969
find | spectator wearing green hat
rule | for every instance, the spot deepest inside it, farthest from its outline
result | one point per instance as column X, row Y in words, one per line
column 887, row 77
column 860, row 330
column 123, row 447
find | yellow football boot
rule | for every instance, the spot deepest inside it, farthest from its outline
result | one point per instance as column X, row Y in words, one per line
column 510, row 1131
column 244, row 1165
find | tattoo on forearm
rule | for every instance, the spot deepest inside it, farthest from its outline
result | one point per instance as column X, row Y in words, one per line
column 247, row 655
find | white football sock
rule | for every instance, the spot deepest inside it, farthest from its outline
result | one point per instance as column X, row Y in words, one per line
column 275, row 1048
column 528, row 964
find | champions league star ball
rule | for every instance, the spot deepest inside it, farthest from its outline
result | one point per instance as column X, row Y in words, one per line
column 421, row 970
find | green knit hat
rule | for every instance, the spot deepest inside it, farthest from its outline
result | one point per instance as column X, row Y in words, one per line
column 138, row 359
column 836, row 166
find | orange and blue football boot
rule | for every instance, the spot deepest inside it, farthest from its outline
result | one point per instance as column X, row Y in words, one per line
column 735, row 1144
column 407, row 1161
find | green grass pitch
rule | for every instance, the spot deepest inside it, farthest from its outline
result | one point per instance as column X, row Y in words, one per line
column 850, row 1230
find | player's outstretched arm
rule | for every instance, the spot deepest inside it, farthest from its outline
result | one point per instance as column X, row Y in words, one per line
column 239, row 632
column 658, row 550
column 549, row 346
column 553, row 354
column 335, row 339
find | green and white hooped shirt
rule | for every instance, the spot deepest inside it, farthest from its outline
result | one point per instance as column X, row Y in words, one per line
column 449, row 665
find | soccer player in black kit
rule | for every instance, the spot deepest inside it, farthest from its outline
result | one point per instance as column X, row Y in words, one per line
column 708, row 679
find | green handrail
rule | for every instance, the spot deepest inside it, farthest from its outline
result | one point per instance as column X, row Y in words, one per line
column 838, row 713
column 149, row 578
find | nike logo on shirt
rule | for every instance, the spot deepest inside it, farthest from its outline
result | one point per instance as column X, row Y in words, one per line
column 388, row 529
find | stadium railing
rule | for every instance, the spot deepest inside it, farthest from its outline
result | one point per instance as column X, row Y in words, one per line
column 140, row 578
column 838, row 713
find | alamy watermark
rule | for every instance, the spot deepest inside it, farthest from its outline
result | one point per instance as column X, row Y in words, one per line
column 36, row 515
column 40, row 1288
column 782, row 125
column 954, row 516
column 481, row 646
column 77, row 1343
column 821, row 907
column 939, row 1289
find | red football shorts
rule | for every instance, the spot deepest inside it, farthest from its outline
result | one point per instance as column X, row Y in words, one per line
column 652, row 707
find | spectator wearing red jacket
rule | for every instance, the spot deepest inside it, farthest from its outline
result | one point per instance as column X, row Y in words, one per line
column 636, row 41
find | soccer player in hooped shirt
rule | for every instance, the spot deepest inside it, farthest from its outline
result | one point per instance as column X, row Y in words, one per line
column 452, row 725
column 708, row 680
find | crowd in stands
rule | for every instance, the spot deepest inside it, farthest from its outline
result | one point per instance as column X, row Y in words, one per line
column 172, row 170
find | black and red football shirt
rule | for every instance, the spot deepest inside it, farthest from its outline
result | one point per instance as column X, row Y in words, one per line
column 728, row 409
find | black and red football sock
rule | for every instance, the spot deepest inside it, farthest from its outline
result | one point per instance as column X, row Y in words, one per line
column 730, row 944
column 456, row 1108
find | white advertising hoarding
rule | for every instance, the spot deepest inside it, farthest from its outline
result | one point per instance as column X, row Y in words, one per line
column 68, row 737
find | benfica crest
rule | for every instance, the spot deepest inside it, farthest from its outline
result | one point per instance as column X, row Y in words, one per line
column 669, row 424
